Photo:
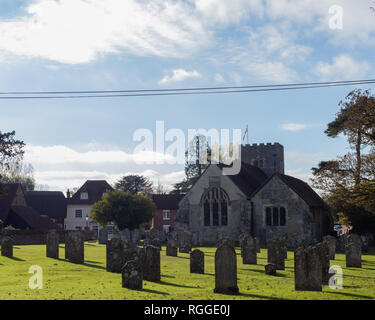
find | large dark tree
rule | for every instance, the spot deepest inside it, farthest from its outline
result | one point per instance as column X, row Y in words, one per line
column 125, row 209
column 134, row 184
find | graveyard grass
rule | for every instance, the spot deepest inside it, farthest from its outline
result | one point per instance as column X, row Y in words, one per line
column 64, row 280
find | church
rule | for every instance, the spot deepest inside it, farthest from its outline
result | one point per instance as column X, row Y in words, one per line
column 260, row 199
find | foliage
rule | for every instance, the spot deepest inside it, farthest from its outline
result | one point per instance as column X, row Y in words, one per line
column 17, row 172
column 125, row 209
column 134, row 184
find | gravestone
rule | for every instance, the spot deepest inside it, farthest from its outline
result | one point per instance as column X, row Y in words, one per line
column 52, row 244
column 103, row 236
column 324, row 258
column 197, row 261
column 249, row 255
column 276, row 253
column 74, row 244
column 241, row 240
column 257, row 243
column 226, row 270
column 353, row 251
column 185, row 241
column 307, row 269
column 7, row 247
column 156, row 242
column 115, row 254
column 331, row 242
column 270, row 269
column 132, row 275
column 151, row 268
column 135, row 236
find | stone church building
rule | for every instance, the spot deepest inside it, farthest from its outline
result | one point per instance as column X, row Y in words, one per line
column 260, row 199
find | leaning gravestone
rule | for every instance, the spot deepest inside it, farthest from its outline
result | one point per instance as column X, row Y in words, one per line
column 331, row 242
column 353, row 251
column 132, row 275
column 74, row 244
column 249, row 255
column 324, row 258
column 276, row 253
column 151, row 268
column 185, row 241
column 226, row 270
column 115, row 254
column 103, row 236
column 52, row 244
column 7, row 247
column 270, row 269
column 197, row 261
column 307, row 269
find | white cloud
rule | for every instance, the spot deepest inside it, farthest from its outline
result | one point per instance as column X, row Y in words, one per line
column 78, row 31
column 342, row 67
column 219, row 78
column 294, row 127
column 179, row 75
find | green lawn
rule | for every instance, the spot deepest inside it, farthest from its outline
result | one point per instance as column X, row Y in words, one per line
column 64, row 280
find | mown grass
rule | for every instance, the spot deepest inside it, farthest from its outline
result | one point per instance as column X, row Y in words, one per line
column 64, row 280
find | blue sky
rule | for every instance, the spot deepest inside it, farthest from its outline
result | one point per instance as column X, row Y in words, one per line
column 127, row 44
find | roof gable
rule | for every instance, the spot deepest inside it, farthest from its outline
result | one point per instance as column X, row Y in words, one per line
column 50, row 203
column 95, row 190
column 7, row 199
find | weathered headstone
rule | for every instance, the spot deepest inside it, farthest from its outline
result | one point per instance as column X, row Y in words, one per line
column 7, row 247
column 241, row 240
column 151, row 268
column 307, row 269
column 324, row 258
column 353, row 251
column 156, row 242
column 103, row 236
column 226, row 270
column 257, row 243
column 331, row 242
column 270, row 269
column 276, row 253
column 249, row 255
column 52, row 244
column 197, row 261
column 115, row 252
column 185, row 242
column 135, row 236
column 74, row 244
column 132, row 275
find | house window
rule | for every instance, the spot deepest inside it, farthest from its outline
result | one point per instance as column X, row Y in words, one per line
column 84, row 196
column 166, row 214
column 78, row 213
column 275, row 216
column 215, row 207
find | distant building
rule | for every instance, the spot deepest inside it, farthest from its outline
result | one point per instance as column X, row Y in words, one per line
column 15, row 212
column 166, row 210
column 48, row 203
column 79, row 206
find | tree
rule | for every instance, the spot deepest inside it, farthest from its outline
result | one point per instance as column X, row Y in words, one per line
column 125, row 209
column 160, row 189
column 17, row 172
column 134, row 184
column 10, row 150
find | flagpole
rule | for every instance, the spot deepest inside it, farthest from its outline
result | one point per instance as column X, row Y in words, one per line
column 247, row 128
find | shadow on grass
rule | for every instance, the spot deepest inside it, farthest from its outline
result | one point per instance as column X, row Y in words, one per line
column 155, row 291
column 257, row 296
column 94, row 262
column 15, row 258
column 350, row 294
column 264, row 272
column 93, row 266
column 182, row 257
column 176, row 285
column 166, row 276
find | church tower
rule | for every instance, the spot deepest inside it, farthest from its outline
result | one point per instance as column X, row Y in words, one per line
column 268, row 157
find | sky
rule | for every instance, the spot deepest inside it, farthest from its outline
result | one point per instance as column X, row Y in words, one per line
column 72, row 45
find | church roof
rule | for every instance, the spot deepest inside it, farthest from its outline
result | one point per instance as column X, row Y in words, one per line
column 249, row 179
column 167, row 201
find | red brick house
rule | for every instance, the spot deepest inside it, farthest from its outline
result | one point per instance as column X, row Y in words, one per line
column 166, row 210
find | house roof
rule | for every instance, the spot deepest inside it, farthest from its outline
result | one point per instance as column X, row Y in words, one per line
column 167, row 201
column 33, row 218
column 300, row 187
column 50, row 203
column 95, row 190
column 249, row 179
column 6, row 199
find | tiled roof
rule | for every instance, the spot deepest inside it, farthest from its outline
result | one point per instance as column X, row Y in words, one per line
column 33, row 218
column 6, row 199
column 95, row 190
column 167, row 201
column 50, row 203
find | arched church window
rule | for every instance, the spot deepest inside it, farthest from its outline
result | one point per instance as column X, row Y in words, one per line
column 215, row 207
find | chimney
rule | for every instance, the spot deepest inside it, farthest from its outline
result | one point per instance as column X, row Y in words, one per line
column 68, row 194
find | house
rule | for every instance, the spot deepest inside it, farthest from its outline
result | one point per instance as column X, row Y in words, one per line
column 260, row 199
column 166, row 210
column 48, row 203
column 15, row 212
column 79, row 205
